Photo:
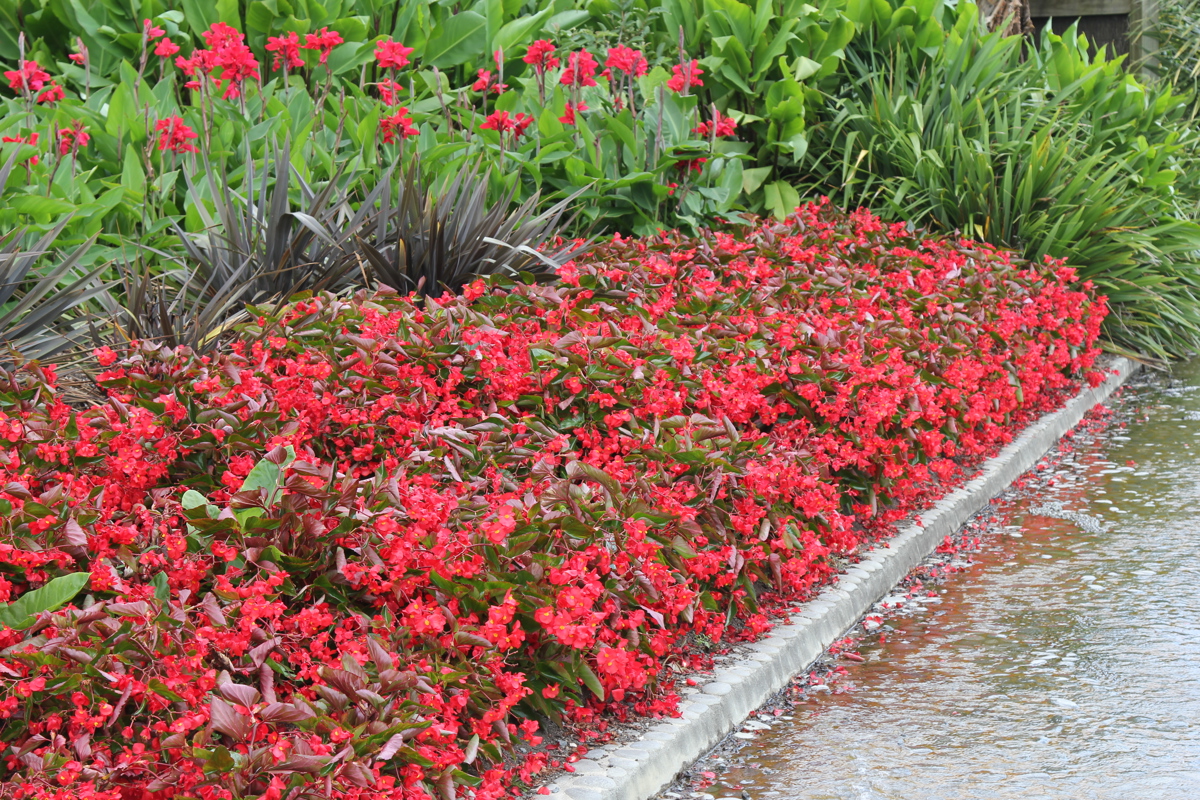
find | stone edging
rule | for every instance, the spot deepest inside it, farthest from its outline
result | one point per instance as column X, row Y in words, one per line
column 641, row 769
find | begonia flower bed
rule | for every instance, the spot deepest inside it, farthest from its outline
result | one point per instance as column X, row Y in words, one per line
column 368, row 550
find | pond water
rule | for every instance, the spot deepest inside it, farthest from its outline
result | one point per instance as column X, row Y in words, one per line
column 1063, row 663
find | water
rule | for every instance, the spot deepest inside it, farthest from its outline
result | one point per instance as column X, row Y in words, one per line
column 1064, row 663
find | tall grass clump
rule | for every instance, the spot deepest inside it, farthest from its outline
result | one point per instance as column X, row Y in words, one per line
column 1039, row 147
column 1176, row 58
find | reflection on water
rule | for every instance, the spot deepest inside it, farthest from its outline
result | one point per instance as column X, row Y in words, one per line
column 1063, row 664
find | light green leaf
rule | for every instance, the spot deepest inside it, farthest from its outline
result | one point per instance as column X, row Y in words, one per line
column 120, row 105
column 459, row 38
column 265, row 474
column 565, row 20
column 227, row 12
column 781, row 198
column 193, row 499
column 806, row 67
column 798, row 144
column 200, row 14
column 259, row 17
column 21, row 612
column 520, row 31
column 753, row 178
column 40, row 207
column 350, row 55
column 133, row 177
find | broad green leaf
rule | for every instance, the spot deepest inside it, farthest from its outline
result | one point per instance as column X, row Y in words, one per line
column 494, row 14
column 265, row 474
column 591, row 680
column 798, row 144
column 350, row 56
column 40, row 207
column 9, row 28
column 461, row 37
column 805, row 68
column 201, row 14
column 838, row 36
column 227, row 12
column 259, row 17
column 244, row 515
column 730, row 182
column 120, row 106
column 520, row 31
column 21, row 612
column 133, row 177
column 781, row 198
column 353, row 29
column 753, row 178
column 565, row 20
column 193, row 499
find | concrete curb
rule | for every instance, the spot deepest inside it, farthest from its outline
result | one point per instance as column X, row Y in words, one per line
column 642, row 768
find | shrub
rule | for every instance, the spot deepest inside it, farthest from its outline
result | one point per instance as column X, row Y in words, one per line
column 1176, row 31
column 369, row 547
column 1045, row 150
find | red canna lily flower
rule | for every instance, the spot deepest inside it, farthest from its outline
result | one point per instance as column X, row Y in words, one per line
column 541, row 55
column 166, row 48
column 324, row 40
column 581, row 67
column 175, row 136
column 29, row 78
column 51, row 94
column 72, row 139
column 397, row 124
column 685, row 77
column 32, row 139
column 722, row 126
column 390, row 54
column 568, row 118
column 286, row 50
column 628, row 60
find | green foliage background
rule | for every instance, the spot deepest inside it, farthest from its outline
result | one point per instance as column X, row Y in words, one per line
column 900, row 105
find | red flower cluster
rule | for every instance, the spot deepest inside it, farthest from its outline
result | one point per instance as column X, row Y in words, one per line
column 29, row 77
column 691, row 165
column 568, row 117
column 628, row 60
column 389, row 91
column 72, row 139
column 286, row 50
column 685, row 76
column 580, row 70
column 541, row 56
column 175, row 136
column 166, row 48
column 486, row 82
column 397, row 124
column 358, row 552
column 226, row 52
column 324, row 41
column 502, row 122
column 392, row 55
column 32, row 139
column 719, row 126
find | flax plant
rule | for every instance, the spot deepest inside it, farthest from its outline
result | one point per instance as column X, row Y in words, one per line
column 1047, row 150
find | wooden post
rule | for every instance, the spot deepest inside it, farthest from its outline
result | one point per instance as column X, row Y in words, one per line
column 1143, row 43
